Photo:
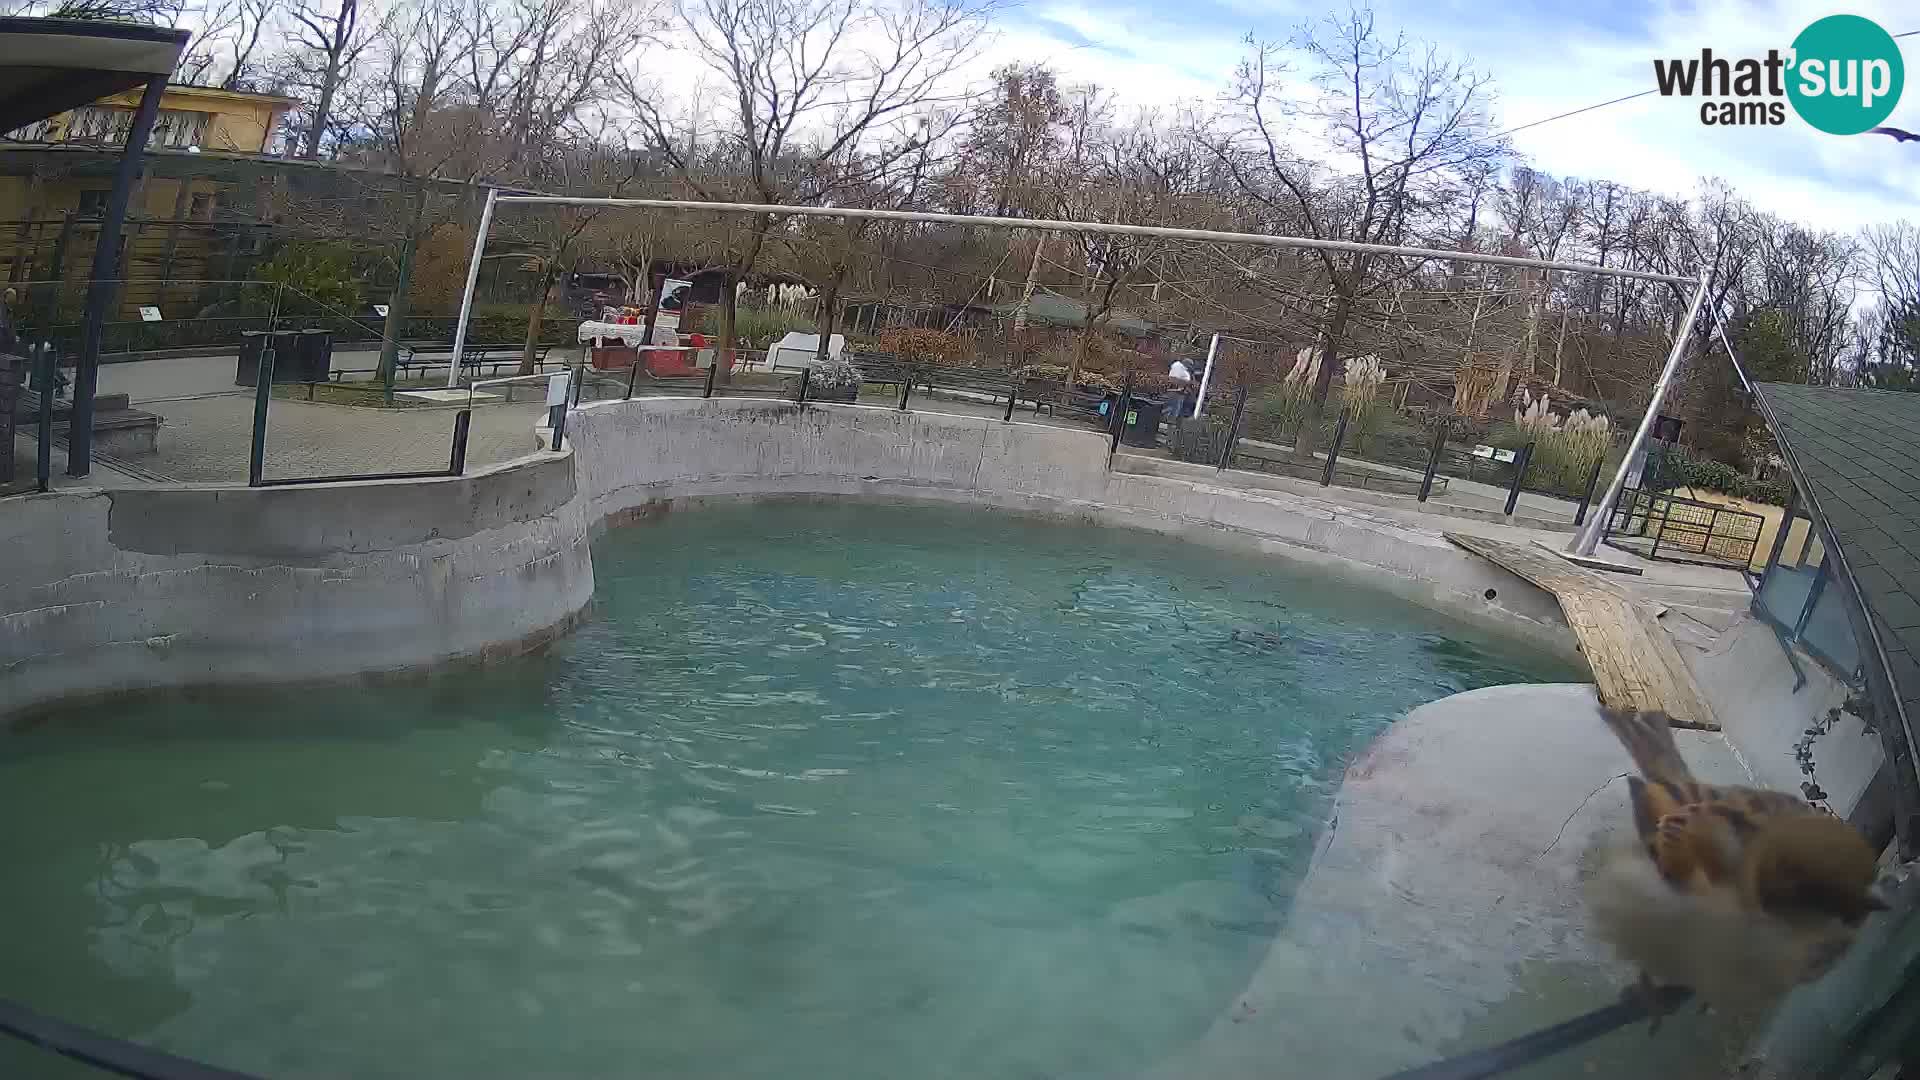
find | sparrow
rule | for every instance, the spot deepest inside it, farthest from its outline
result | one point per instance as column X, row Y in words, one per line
column 1737, row 893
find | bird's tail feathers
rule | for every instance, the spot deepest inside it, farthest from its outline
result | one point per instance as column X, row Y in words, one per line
column 1648, row 737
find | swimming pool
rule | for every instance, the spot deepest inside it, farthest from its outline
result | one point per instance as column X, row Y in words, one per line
column 820, row 790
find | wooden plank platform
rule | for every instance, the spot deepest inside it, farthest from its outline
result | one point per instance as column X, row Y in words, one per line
column 1634, row 662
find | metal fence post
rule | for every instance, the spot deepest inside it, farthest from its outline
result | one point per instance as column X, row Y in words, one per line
column 806, row 374
column 1440, row 432
column 1586, row 496
column 262, row 393
column 633, row 372
column 1333, row 450
column 1118, row 421
column 1519, row 477
column 1233, row 429
column 707, row 392
column 457, row 464
column 1013, row 391
column 47, row 365
column 1662, row 527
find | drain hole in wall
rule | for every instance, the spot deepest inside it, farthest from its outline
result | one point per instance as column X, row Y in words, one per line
column 1490, row 594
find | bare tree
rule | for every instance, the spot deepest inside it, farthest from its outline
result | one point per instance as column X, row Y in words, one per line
column 1014, row 143
column 1888, row 347
column 548, row 235
column 222, row 52
column 418, row 131
column 328, row 37
column 1405, row 122
column 810, row 83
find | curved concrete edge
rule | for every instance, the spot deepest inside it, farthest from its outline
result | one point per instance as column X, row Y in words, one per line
column 206, row 585
column 1441, row 911
column 645, row 456
column 110, row 591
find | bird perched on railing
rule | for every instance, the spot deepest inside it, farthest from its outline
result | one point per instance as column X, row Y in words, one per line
column 1737, row 893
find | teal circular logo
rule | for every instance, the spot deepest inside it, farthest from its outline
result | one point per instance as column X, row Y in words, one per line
column 1846, row 76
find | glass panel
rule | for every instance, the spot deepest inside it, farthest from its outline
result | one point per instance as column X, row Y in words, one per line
column 1784, row 593
column 1828, row 631
column 1802, row 547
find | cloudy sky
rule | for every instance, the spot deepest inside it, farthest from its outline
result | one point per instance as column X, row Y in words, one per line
column 1547, row 57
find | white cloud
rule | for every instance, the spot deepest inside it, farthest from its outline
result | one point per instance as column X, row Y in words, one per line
column 1547, row 57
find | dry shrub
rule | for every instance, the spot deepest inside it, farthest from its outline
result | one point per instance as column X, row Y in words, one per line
column 924, row 346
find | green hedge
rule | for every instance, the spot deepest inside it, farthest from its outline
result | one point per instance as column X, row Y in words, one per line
column 1680, row 469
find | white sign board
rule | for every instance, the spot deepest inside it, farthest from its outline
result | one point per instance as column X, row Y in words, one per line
column 149, row 314
column 380, row 310
column 1492, row 454
column 798, row 350
column 675, row 293
column 557, row 389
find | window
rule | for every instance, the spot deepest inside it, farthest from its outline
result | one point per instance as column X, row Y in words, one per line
column 109, row 126
column 1801, row 598
column 38, row 131
column 178, row 130
column 202, row 209
column 99, row 124
column 93, row 203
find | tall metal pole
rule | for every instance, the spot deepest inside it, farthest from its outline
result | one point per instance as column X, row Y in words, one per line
column 1588, row 538
column 858, row 213
column 104, row 286
column 473, row 279
column 1206, row 374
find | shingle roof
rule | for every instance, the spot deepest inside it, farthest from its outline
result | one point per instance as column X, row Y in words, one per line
column 1859, row 451
column 1053, row 308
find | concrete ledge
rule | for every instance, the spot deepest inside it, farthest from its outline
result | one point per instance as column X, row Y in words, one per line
column 644, row 456
column 198, row 585
column 1251, row 480
column 1445, row 894
column 110, row 591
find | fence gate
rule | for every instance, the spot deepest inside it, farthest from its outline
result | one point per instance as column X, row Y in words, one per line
column 1658, row 525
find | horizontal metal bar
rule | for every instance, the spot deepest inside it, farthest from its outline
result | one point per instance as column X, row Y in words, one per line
column 478, row 383
column 1053, row 225
column 292, row 481
column 104, row 1051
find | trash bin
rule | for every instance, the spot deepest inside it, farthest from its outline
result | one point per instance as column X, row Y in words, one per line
column 247, row 371
column 312, row 358
column 286, row 357
column 1142, row 422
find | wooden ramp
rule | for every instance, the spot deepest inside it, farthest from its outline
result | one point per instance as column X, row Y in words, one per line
column 1634, row 662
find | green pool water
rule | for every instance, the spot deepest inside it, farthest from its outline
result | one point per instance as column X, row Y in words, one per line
column 819, row 791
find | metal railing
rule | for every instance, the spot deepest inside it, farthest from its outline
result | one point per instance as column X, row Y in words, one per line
column 1666, row 527
column 104, row 1052
column 257, row 447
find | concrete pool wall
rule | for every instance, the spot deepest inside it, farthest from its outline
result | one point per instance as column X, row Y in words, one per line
column 203, row 585
column 140, row 588
column 639, row 457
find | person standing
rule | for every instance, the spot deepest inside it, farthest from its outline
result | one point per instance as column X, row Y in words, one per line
column 1183, row 377
column 8, row 340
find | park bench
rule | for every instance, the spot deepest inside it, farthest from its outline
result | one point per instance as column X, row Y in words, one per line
column 118, row 428
column 492, row 356
column 888, row 370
